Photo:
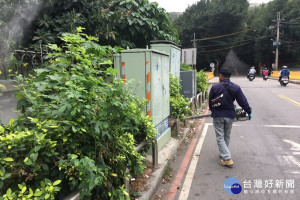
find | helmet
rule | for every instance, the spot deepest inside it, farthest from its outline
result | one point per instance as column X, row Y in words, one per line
column 252, row 67
column 284, row 67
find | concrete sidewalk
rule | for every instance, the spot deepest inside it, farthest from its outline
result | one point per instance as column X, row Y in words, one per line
column 164, row 156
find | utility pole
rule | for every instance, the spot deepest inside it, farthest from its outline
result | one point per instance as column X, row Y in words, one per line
column 194, row 44
column 194, row 41
column 277, row 41
column 194, row 64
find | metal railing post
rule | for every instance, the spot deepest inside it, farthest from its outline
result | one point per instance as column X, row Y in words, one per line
column 155, row 154
column 178, row 127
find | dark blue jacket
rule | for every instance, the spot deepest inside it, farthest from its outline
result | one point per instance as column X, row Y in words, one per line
column 285, row 72
column 238, row 95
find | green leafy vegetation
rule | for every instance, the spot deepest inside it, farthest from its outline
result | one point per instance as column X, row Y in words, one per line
column 206, row 20
column 185, row 67
column 261, row 19
column 77, row 130
column 132, row 23
column 179, row 105
column 248, row 30
column 202, row 83
column 32, row 24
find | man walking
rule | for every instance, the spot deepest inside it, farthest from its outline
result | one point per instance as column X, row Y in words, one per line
column 221, row 98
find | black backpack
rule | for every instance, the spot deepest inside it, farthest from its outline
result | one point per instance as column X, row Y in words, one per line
column 219, row 101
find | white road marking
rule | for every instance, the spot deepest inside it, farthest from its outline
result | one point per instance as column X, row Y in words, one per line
column 286, row 161
column 283, row 160
column 295, row 146
column 294, row 160
column 190, row 174
column 295, row 172
column 267, row 126
column 270, row 126
column 281, row 126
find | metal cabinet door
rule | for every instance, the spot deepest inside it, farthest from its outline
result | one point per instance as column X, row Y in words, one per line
column 165, row 87
column 134, row 68
column 156, row 88
column 175, row 62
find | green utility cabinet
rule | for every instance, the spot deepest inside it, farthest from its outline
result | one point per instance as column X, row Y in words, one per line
column 173, row 50
column 148, row 71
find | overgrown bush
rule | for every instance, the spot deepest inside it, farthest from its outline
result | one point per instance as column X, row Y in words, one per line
column 179, row 105
column 185, row 67
column 202, row 83
column 77, row 130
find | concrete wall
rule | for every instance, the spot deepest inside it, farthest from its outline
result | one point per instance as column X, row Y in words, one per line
column 8, row 101
column 209, row 75
column 293, row 75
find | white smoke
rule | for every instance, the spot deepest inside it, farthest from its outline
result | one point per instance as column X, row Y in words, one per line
column 25, row 15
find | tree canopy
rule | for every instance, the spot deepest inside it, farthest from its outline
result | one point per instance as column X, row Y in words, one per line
column 132, row 23
column 207, row 20
column 263, row 20
column 221, row 26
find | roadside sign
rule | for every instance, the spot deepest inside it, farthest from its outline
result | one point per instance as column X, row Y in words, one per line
column 276, row 43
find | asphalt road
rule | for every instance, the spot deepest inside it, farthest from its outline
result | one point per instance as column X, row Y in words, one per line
column 265, row 150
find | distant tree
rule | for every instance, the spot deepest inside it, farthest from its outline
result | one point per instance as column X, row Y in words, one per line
column 210, row 19
column 261, row 19
column 175, row 15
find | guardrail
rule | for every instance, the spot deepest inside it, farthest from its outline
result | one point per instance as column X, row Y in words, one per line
column 195, row 104
column 293, row 74
column 197, row 101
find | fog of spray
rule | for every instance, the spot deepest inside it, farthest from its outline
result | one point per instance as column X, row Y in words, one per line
column 20, row 22
column 13, row 30
column 237, row 66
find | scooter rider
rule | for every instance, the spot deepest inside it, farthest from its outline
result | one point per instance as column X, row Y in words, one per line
column 284, row 72
column 265, row 72
column 251, row 71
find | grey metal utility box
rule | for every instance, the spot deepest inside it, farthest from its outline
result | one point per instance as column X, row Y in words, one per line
column 117, row 64
column 173, row 50
column 188, row 83
column 147, row 70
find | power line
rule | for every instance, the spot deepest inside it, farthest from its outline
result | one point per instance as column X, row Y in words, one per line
column 224, row 48
column 235, row 42
column 220, row 36
column 292, row 42
column 295, row 19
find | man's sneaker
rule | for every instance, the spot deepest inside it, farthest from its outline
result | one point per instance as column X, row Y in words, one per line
column 227, row 163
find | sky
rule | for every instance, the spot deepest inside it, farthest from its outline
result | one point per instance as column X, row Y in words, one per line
column 181, row 5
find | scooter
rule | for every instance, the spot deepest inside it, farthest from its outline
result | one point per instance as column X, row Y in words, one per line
column 265, row 78
column 284, row 81
column 251, row 77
